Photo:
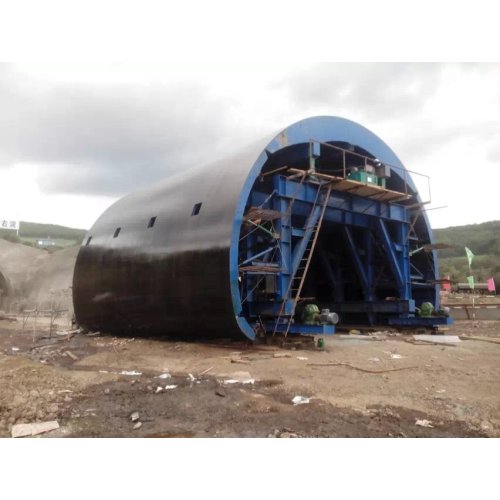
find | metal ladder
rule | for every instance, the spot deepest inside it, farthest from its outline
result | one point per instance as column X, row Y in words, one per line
column 301, row 271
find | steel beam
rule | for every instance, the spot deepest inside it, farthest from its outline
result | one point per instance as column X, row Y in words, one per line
column 365, row 285
column 301, row 245
column 298, row 328
column 284, row 228
column 256, row 256
column 392, row 257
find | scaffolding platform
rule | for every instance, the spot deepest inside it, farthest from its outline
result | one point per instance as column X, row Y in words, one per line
column 260, row 269
column 345, row 185
column 261, row 214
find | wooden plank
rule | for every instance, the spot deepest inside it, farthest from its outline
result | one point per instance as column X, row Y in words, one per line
column 22, row 430
column 267, row 269
column 482, row 339
column 438, row 339
column 256, row 213
column 359, row 188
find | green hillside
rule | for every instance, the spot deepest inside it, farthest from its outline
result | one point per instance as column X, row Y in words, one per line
column 34, row 230
column 29, row 232
column 484, row 241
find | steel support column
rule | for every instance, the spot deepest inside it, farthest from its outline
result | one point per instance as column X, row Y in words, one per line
column 396, row 262
column 358, row 264
column 284, row 229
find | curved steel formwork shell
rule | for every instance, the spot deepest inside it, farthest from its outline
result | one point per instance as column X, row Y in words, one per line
column 168, row 259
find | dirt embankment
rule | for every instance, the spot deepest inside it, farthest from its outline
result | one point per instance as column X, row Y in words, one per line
column 36, row 278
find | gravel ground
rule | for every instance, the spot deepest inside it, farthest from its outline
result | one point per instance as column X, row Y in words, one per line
column 358, row 386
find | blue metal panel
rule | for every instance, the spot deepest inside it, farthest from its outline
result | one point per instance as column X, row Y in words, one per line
column 300, row 248
column 385, row 307
column 415, row 321
column 344, row 202
column 404, row 259
column 347, row 210
column 365, row 284
column 284, row 228
column 303, row 329
column 334, row 276
column 394, row 260
column 370, row 275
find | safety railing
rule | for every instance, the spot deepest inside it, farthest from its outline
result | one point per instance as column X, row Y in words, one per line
column 368, row 163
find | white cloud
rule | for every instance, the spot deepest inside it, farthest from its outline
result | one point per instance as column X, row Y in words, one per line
column 22, row 199
column 79, row 136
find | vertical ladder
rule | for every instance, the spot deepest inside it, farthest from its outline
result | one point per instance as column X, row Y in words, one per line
column 299, row 274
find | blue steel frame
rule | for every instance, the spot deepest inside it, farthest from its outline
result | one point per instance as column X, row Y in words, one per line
column 328, row 129
column 415, row 321
column 348, row 210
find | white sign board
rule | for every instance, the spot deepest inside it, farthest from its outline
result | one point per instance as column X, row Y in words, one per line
column 9, row 224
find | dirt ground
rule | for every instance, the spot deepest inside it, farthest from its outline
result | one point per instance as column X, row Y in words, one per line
column 377, row 385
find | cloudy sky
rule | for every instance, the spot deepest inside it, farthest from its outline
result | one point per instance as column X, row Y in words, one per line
column 74, row 138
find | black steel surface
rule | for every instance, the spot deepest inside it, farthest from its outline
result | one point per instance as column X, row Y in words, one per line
column 172, row 277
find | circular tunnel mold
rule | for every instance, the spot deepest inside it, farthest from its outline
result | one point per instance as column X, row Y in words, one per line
column 177, row 258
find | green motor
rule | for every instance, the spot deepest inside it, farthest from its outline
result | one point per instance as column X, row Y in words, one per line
column 310, row 315
column 364, row 177
column 426, row 310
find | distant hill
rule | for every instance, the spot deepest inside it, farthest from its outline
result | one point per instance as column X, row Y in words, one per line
column 35, row 230
column 484, row 241
column 29, row 232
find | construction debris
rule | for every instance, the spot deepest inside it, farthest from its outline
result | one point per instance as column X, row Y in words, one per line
column 288, row 435
column 170, row 387
column 363, row 369
column 220, row 392
column 164, row 376
column 205, row 371
column 74, row 357
column 300, row 400
column 138, row 425
column 240, row 361
column 238, row 381
column 132, row 372
column 482, row 339
column 424, row 423
column 355, row 337
column 240, row 378
column 282, row 355
column 438, row 339
column 134, row 416
column 22, row 430
column 69, row 332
